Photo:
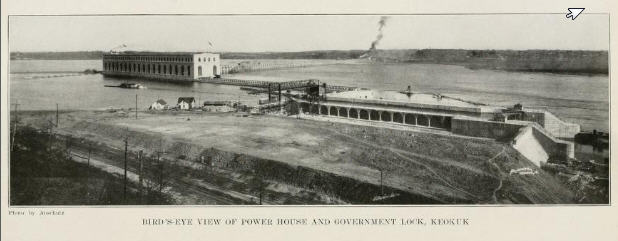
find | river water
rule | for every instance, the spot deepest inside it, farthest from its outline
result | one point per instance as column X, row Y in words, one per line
column 33, row 90
column 579, row 99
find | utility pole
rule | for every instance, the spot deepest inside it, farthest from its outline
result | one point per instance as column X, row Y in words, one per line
column 126, row 147
column 68, row 147
column 319, row 107
column 136, row 106
column 160, row 164
column 141, row 168
column 14, row 126
column 56, row 114
column 89, row 150
column 381, row 182
column 160, row 171
column 88, row 169
column 49, row 142
column 280, row 107
column 261, row 190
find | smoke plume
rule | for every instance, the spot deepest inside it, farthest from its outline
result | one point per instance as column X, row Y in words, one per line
column 381, row 25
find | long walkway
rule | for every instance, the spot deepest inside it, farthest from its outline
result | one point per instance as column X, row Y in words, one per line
column 275, row 85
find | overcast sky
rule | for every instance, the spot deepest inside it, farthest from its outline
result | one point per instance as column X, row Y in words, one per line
column 297, row 33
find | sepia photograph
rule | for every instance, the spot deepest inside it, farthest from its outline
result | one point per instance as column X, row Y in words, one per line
column 308, row 109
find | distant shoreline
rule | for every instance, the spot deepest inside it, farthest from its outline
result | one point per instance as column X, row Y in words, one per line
column 575, row 62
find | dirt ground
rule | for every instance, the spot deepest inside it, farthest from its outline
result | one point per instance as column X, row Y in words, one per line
column 441, row 166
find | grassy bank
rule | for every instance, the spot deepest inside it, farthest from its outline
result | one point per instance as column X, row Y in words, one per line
column 42, row 173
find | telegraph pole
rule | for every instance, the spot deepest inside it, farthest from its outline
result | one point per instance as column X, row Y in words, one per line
column 49, row 143
column 136, row 106
column 68, row 147
column 89, row 150
column 319, row 107
column 126, row 147
column 14, row 125
column 160, row 172
column 141, row 167
column 160, row 164
column 56, row 114
column 381, row 183
column 280, row 107
column 261, row 190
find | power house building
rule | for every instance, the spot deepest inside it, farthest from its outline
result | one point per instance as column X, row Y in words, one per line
column 181, row 66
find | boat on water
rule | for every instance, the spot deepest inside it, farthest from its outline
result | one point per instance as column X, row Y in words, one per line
column 128, row 86
column 595, row 138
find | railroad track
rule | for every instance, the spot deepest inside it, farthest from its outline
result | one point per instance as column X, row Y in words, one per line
column 218, row 197
column 182, row 186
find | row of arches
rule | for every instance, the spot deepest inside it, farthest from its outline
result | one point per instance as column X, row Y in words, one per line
column 162, row 69
column 437, row 121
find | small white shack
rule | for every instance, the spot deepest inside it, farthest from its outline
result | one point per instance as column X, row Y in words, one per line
column 186, row 103
column 160, row 104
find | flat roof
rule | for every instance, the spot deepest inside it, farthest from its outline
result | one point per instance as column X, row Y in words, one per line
column 156, row 53
column 421, row 100
column 394, row 96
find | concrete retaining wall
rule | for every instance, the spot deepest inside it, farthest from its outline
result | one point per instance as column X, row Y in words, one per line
column 530, row 139
column 481, row 128
column 552, row 123
column 529, row 146
column 559, row 128
column 558, row 150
